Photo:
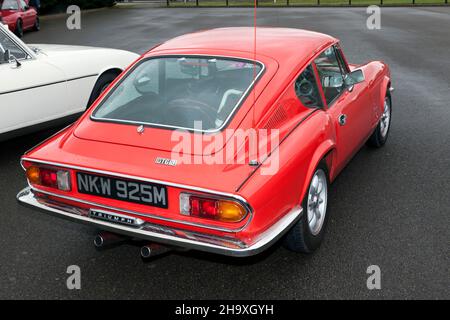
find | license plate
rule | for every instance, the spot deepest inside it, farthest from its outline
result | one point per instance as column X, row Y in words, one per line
column 121, row 189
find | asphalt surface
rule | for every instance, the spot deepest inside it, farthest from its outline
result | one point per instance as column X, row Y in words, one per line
column 389, row 207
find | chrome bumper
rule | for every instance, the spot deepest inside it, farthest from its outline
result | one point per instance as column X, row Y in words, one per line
column 165, row 235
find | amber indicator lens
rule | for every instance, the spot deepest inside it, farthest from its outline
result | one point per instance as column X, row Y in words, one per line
column 33, row 175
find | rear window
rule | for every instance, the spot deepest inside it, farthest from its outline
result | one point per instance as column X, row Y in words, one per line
column 178, row 91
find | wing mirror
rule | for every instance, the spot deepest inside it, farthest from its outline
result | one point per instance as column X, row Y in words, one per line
column 7, row 56
column 353, row 78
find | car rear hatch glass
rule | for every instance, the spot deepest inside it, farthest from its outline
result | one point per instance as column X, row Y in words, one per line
column 180, row 92
column 164, row 97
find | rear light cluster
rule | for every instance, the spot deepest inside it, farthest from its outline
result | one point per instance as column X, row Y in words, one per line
column 49, row 177
column 212, row 208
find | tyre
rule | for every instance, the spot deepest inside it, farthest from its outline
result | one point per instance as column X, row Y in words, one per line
column 381, row 133
column 37, row 24
column 19, row 29
column 307, row 234
column 102, row 83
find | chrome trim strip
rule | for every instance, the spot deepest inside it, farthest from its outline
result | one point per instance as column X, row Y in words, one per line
column 136, row 221
column 225, row 123
column 48, row 84
column 242, row 200
column 171, row 236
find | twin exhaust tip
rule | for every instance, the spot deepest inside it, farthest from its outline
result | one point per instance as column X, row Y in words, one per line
column 105, row 239
column 153, row 250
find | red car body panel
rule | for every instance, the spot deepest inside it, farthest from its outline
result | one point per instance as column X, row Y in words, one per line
column 11, row 17
column 307, row 136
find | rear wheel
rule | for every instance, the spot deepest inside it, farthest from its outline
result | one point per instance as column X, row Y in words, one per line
column 307, row 235
column 19, row 28
column 381, row 133
column 37, row 24
column 102, row 83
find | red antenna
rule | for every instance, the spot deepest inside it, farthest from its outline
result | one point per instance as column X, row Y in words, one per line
column 254, row 57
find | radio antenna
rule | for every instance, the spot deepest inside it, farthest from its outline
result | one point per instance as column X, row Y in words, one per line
column 254, row 56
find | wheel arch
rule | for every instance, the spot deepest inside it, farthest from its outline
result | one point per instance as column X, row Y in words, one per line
column 325, row 152
column 114, row 70
column 17, row 22
column 385, row 87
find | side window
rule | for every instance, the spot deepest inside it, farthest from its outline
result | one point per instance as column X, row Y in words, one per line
column 307, row 90
column 341, row 59
column 7, row 44
column 23, row 5
column 330, row 73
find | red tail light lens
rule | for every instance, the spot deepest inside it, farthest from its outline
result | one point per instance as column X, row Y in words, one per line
column 49, row 177
column 212, row 208
column 203, row 208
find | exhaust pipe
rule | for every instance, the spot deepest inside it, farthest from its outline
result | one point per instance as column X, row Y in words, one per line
column 104, row 239
column 153, row 250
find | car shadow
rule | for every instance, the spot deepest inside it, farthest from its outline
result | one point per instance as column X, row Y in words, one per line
column 222, row 259
column 17, row 146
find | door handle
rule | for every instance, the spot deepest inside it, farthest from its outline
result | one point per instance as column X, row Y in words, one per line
column 342, row 119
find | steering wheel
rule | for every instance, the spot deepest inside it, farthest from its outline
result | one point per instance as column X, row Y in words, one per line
column 182, row 111
column 305, row 88
column 193, row 88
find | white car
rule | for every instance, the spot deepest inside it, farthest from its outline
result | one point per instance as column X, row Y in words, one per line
column 44, row 85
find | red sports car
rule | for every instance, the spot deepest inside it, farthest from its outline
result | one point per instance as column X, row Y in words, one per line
column 19, row 16
column 206, row 143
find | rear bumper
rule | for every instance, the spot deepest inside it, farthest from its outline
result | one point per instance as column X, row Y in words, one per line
column 161, row 234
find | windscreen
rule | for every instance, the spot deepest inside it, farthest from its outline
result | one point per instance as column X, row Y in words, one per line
column 180, row 92
column 9, row 5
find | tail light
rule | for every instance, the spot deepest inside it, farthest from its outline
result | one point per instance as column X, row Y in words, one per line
column 212, row 208
column 49, row 177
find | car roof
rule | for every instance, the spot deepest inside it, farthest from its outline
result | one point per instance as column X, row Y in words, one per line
column 276, row 43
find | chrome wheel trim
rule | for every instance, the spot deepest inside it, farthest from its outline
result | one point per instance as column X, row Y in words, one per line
column 385, row 118
column 317, row 202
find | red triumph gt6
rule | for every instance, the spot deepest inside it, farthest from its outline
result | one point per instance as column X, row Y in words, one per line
column 167, row 154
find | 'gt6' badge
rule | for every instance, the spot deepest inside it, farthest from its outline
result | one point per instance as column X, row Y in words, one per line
column 166, row 162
